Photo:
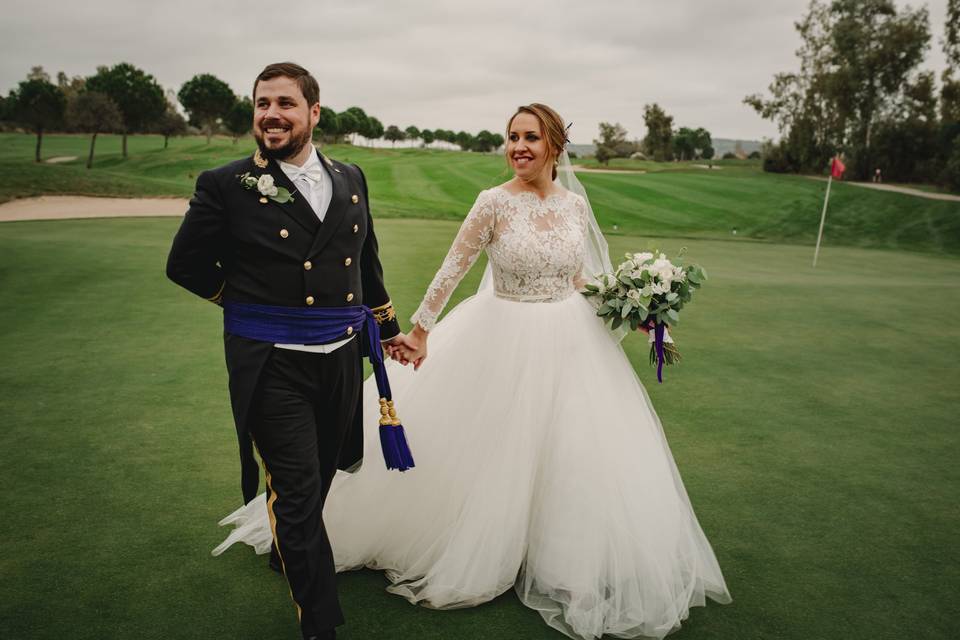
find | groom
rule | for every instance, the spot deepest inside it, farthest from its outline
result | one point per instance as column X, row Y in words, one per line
column 291, row 229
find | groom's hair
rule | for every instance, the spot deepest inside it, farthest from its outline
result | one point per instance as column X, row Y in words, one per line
column 307, row 83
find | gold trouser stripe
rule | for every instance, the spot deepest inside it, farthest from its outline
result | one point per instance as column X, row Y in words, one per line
column 273, row 529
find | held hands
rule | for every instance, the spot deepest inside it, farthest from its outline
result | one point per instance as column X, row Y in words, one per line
column 407, row 348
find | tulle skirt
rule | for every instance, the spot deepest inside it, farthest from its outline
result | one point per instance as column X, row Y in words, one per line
column 540, row 465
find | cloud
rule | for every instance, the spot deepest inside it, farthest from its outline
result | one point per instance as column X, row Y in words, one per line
column 446, row 64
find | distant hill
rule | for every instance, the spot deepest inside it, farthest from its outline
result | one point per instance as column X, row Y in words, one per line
column 720, row 146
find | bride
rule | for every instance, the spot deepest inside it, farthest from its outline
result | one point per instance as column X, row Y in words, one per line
column 541, row 464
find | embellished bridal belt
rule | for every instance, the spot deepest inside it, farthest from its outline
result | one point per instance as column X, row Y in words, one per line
column 546, row 297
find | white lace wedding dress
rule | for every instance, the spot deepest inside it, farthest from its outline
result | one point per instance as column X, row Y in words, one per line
column 541, row 464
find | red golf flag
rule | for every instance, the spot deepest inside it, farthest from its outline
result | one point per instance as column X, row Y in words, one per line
column 837, row 168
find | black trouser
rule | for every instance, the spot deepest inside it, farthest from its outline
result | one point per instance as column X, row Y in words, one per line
column 304, row 407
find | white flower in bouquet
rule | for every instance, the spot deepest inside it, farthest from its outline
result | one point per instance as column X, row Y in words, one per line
column 660, row 288
column 640, row 258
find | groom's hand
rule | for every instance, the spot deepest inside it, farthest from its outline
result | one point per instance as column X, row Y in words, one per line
column 394, row 345
column 410, row 348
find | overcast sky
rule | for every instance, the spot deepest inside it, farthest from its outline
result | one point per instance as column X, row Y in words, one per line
column 446, row 64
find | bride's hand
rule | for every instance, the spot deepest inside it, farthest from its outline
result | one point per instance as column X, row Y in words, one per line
column 416, row 346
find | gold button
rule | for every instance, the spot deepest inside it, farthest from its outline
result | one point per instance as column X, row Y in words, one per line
column 308, row 265
column 263, row 201
column 309, row 300
column 349, row 331
column 284, row 233
column 355, row 198
column 349, row 297
column 356, row 228
column 347, row 262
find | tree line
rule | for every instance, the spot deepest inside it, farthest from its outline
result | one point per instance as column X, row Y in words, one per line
column 860, row 91
column 662, row 143
column 126, row 100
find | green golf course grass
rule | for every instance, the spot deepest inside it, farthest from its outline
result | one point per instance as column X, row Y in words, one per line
column 672, row 200
column 813, row 420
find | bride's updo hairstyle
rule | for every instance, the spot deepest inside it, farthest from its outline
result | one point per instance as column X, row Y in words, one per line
column 551, row 124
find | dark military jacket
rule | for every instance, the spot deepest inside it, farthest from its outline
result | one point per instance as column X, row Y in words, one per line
column 236, row 245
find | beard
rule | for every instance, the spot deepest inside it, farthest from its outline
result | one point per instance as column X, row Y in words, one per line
column 292, row 148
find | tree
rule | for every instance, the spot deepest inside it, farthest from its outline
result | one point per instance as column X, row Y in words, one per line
column 94, row 113
column 171, row 123
column 485, row 142
column 684, row 145
column 393, row 134
column 856, row 59
column 905, row 142
column 373, row 129
column 702, row 143
column 658, row 142
column 207, row 100
column 603, row 154
column 136, row 93
column 427, row 136
column 38, row 104
column 951, row 36
column 360, row 120
column 613, row 137
column 329, row 124
column 412, row 132
column 37, row 73
column 949, row 137
column 464, row 140
column 348, row 123
column 497, row 140
column 239, row 119
column 70, row 86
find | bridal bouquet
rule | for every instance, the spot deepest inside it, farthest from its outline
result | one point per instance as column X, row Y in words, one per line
column 648, row 291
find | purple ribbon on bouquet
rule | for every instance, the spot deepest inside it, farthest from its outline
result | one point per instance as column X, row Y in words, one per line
column 321, row 325
column 658, row 345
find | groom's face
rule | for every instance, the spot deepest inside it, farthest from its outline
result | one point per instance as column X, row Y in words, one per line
column 283, row 122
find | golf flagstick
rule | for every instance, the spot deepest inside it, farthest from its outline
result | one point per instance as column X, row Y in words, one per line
column 836, row 170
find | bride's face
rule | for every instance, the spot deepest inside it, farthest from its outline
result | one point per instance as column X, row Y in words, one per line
column 282, row 120
column 527, row 149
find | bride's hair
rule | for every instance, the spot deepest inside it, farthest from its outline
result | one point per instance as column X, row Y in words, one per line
column 551, row 124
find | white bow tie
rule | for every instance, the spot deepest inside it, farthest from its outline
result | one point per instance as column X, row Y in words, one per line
column 312, row 173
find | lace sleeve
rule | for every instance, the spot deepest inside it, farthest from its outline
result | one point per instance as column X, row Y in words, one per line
column 475, row 233
column 581, row 278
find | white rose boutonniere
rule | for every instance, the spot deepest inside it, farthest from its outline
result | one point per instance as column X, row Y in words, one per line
column 265, row 185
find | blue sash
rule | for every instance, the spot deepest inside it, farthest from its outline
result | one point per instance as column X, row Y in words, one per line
column 321, row 325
